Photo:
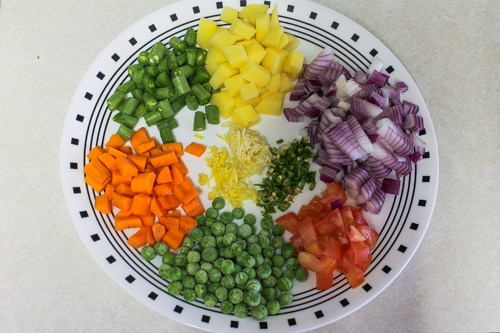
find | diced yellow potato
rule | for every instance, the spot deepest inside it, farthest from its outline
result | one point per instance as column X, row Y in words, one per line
column 253, row 72
column 293, row 42
column 274, row 60
column 229, row 14
column 255, row 51
column 235, row 55
column 224, row 71
column 283, row 41
column 274, row 84
column 294, row 63
column 238, row 102
column 223, row 38
column 248, row 91
column 286, row 84
column 250, row 11
column 233, row 84
column 211, row 67
column 206, row 30
column 273, row 37
column 272, row 104
column 224, row 102
column 262, row 24
column 275, row 21
column 242, row 28
column 215, row 54
column 245, row 116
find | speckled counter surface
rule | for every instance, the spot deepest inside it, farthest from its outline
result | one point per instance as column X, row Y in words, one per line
column 50, row 283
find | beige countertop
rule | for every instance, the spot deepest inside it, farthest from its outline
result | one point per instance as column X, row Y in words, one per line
column 50, row 283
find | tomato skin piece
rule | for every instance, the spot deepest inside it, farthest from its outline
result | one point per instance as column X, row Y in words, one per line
column 333, row 191
column 289, row 221
column 307, row 232
column 354, row 275
column 358, row 253
column 332, row 248
column 315, row 264
column 328, row 225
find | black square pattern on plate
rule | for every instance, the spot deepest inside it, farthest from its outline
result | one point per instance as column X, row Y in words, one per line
column 178, row 309
column 84, row 214
column 234, row 324
column 426, row 179
column 77, row 190
column 110, row 259
column 335, row 24
column 130, row 279
column 319, row 314
column 367, row 287
column 88, row 96
column 389, row 69
column 243, row 3
column 422, row 203
column 313, row 15
column 205, row 319
column 75, row 141
column 426, row 155
column 73, row 165
column 263, row 325
column 291, row 322
column 373, row 52
column 132, row 41
column 402, row 248
column 219, row 4
column 100, row 75
column 386, row 269
column 95, row 237
column 115, row 57
column 414, row 226
column 80, row 118
column 344, row 302
column 355, row 37
column 152, row 295
column 290, row 8
column 173, row 17
column 152, row 28
column 267, row 3
column 196, row 10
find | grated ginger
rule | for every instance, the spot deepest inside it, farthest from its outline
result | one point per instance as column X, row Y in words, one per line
column 231, row 169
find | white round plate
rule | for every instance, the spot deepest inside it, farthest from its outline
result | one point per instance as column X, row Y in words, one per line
column 401, row 224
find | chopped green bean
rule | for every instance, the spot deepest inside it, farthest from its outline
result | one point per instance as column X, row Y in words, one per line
column 212, row 114
column 199, row 121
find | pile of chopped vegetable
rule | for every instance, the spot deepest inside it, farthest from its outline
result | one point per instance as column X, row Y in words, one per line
column 225, row 261
column 231, row 169
column 287, row 175
column 366, row 134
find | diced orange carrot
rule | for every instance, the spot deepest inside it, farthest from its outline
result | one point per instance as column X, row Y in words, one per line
column 125, row 189
column 163, row 189
column 127, row 222
column 121, row 201
column 139, row 238
column 181, row 166
column 139, row 161
column 116, row 153
column 140, row 204
column 115, row 141
column 193, row 208
column 164, row 176
column 187, row 223
column 170, row 222
column 164, row 159
column 95, row 184
column 103, row 204
column 108, row 160
column 169, row 202
column 175, row 146
column 146, row 146
column 108, row 191
column 195, row 148
column 150, row 237
column 156, row 207
column 123, row 213
column 95, row 152
column 173, row 213
column 147, row 220
column 143, row 182
column 127, row 150
column 95, row 169
column 177, row 175
column 139, row 137
column 117, row 178
column 156, row 152
column 174, row 238
column 159, row 231
column 126, row 167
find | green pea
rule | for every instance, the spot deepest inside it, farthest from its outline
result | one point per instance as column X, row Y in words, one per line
column 238, row 213
column 218, row 203
column 148, row 253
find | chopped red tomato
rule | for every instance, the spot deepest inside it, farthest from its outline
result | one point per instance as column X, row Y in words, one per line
column 329, row 236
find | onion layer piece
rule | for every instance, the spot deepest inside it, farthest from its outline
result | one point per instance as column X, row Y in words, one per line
column 366, row 135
